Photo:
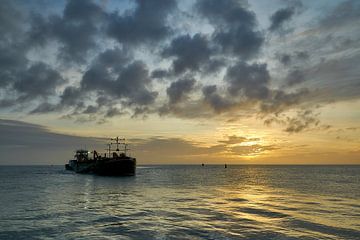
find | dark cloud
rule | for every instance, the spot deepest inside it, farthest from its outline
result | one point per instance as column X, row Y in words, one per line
column 113, row 79
column 160, row 73
column 280, row 17
column 131, row 83
column 112, row 74
column 91, row 109
column 214, row 65
column 148, row 22
column 12, row 62
column 179, row 89
column 235, row 27
column 297, row 57
column 302, row 120
column 285, row 59
column 11, row 19
column 249, row 80
column 75, row 30
column 302, row 55
column 40, row 80
column 295, row 77
column 111, row 112
column 280, row 101
column 6, row 103
column 83, row 10
column 217, row 102
column 190, row 52
column 13, row 50
column 71, row 96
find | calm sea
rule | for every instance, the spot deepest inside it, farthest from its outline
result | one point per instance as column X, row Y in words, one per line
column 182, row 202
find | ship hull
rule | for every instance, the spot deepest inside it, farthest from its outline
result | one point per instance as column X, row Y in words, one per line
column 105, row 167
column 116, row 167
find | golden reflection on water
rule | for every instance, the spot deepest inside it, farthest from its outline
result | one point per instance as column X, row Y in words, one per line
column 254, row 204
column 274, row 208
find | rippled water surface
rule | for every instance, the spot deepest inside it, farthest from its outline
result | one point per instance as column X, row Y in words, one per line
column 182, row 202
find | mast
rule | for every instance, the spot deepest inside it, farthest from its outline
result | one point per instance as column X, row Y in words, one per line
column 117, row 142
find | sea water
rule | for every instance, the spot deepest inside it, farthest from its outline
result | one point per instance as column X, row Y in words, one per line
column 182, row 202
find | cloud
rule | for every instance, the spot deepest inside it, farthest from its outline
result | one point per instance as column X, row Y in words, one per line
column 235, row 27
column 108, row 71
column 281, row 101
column 285, row 59
column 71, row 96
column 44, row 107
column 75, row 30
column 13, row 50
column 38, row 144
column 166, row 150
column 190, row 53
column 178, row 90
column 215, row 100
column 233, row 139
column 334, row 79
column 301, row 122
column 146, row 23
column 160, row 73
column 297, row 57
column 112, row 74
column 280, row 17
column 40, row 80
column 114, row 80
column 111, row 112
column 295, row 77
column 250, row 80
column 347, row 12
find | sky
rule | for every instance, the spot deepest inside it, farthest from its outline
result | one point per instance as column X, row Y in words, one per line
column 186, row 82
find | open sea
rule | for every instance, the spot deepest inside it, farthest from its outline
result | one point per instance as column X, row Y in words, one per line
column 182, row 202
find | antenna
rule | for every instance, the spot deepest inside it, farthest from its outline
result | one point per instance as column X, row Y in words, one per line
column 109, row 148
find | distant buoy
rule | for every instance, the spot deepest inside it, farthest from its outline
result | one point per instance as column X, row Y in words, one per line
column 202, row 164
column 225, row 166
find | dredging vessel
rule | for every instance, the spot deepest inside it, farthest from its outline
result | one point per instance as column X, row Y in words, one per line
column 115, row 162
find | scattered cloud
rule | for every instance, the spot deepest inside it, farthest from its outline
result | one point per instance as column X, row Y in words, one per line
column 190, row 53
column 235, row 25
column 178, row 90
column 88, row 62
column 147, row 22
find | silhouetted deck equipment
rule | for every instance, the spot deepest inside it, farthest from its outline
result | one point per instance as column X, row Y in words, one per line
column 113, row 163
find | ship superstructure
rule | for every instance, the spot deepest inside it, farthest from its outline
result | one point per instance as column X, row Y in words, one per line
column 114, row 162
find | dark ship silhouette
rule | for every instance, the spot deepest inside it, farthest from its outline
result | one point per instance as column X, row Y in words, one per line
column 113, row 163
